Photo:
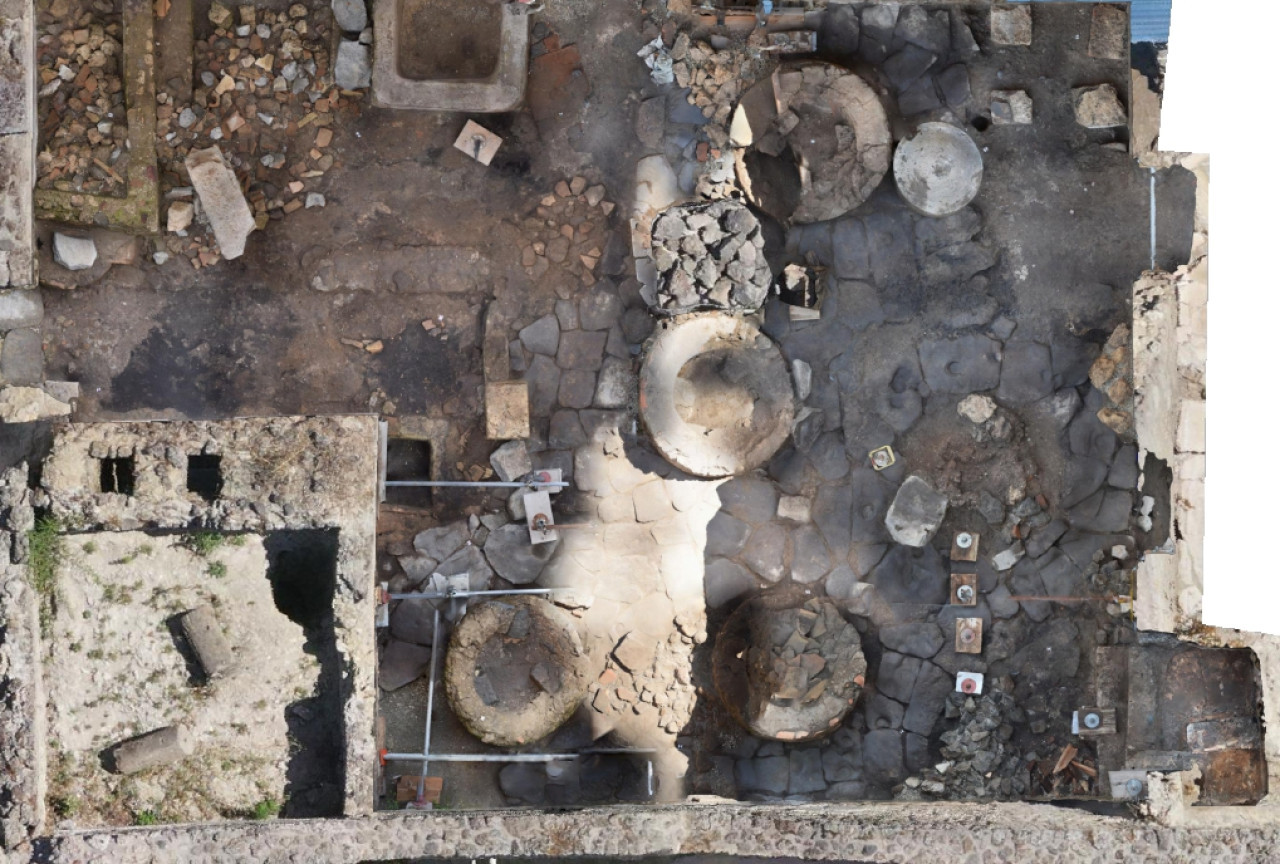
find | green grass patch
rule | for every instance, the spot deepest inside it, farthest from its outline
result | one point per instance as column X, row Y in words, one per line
column 203, row 543
column 45, row 548
column 267, row 808
column 65, row 806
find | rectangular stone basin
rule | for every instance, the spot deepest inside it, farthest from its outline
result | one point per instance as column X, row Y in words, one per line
column 442, row 55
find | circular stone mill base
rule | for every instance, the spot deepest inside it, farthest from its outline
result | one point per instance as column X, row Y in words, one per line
column 814, row 142
column 938, row 170
column 787, row 665
column 515, row 671
column 715, row 394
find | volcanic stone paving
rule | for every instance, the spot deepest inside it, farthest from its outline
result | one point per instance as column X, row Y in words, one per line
column 970, row 344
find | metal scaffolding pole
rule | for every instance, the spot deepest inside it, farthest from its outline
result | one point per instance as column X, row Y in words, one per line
column 514, row 484
column 457, row 595
column 431, row 702
column 511, row 757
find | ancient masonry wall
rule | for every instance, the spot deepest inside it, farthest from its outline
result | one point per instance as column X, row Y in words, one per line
column 22, row 755
column 1170, row 329
column 17, row 142
column 278, row 474
column 993, row 834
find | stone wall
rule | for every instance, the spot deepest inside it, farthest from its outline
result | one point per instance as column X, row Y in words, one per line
column 1170, row 328
column 1021, row 833
column 1169, row 345
column 17, row 142
column 21, row 718
column 283, row 473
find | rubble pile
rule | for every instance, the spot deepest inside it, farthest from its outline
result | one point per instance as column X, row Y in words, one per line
column 82, row 112
column 263, row 98
column 797, row 654
column 568, row 233
column 710, row 256
column 1111, row 374
column 788, row 668
column 645, row 676
column 716, row 78
column 979, row 760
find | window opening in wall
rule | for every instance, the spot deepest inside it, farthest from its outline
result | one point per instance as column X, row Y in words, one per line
column 116, row 475
column 204, row 476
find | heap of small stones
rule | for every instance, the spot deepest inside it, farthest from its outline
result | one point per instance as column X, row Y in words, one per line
column 978, row 758
column 710, row 256
column 788, row 668
column 1112, row 373
column 650, row 679
column 262, row 96
column 716, row 75
column 82, row 111
column 567, row 235
column 796, row 654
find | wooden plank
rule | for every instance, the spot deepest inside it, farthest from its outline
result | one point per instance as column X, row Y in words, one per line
column 962, row 552
column 968, row 635
column 1106, row 727
column 964, row 580
column 407, row 788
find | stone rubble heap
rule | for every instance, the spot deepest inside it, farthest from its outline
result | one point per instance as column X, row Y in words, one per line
column 796, row 655
column 979, row 760
column 263, row 99
column 646, row 677
column 82, row 111
column 710, row 256
column 1111, row 374
column 570, row 237
column 716, row 75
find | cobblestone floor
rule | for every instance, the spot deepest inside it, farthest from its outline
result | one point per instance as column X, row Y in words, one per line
column 921, row 316
column 1012, row 301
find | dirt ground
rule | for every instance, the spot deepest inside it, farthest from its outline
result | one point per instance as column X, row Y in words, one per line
column 118, row 666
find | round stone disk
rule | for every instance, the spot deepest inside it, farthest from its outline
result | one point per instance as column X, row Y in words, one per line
column 938, row 170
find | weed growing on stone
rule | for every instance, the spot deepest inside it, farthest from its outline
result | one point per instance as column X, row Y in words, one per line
column 203, row 543
column 267, row 808
column 217, row 569
column 116, row 594
column 65, row 806
column 146, row 817
column 89, row 547
column 45, row 550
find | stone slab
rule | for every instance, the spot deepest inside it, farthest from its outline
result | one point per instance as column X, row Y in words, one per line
column 224, row 204
column 506, row 410
column 22, row 358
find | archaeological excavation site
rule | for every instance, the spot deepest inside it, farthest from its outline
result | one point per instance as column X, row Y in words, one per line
column 625, row 431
